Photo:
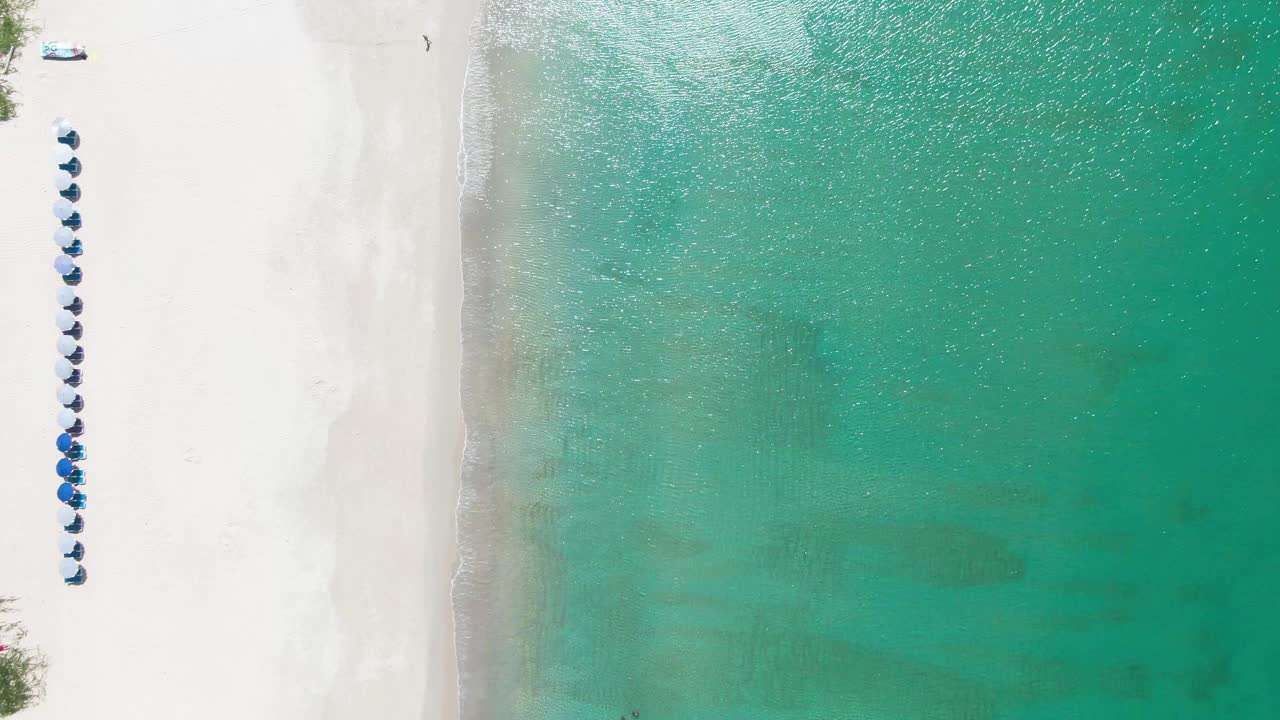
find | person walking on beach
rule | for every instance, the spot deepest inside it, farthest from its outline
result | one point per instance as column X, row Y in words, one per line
column 428, row 40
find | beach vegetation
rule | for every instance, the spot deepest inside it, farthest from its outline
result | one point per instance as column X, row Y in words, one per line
column 22, row 670
column 14, row 31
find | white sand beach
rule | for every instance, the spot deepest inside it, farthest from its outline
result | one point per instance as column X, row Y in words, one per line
column 271, row 332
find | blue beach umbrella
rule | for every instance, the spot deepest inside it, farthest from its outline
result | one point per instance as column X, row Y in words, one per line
column 65, row 467
column 64, row 444
column 66, row 491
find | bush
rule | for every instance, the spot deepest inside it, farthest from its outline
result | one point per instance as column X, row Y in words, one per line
column 14, row 30
column 21, row 670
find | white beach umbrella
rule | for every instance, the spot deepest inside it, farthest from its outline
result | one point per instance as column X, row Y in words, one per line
column 63, row 368
column 67, row 394
column 64, row 264
column 66, row 296
column 63, row 209
column 62, row 154
column 67, row 541
column 66, row 418
column 69, row 568
column 65, row 320
column 64, row 237
column 66, row 515
column 62, row 127
column 62, row 180
column 67, row 345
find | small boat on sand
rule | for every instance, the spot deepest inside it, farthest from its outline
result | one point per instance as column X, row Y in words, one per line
column 58, row 50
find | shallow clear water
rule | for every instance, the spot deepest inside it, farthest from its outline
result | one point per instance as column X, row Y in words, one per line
column 890, row 360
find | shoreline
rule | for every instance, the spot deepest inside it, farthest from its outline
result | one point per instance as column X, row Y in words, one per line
column 272, row 311
column 495, row 571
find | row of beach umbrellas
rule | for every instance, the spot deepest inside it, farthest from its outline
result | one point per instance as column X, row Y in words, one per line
column 70, row 476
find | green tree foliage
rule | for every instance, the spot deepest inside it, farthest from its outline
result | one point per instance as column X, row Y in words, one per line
column 14, row 30
column 21, row 669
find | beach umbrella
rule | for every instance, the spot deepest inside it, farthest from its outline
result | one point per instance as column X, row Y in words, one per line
column 66, row 418
column 62, row 127
column 63, row 209
column 67, row 542
column 63, row 154
column 66, row 320
column 65, row 442
column 66, row 491
column 62, row 368
column 67, row 394
column 64, row 264
column 67, row 345
column 64, row 468
column 66, row 296
column 64, row 237
column 66, row 515
column 69, row 568
column 62, row 180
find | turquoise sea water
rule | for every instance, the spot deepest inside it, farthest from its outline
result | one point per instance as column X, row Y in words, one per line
column 872, row 359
